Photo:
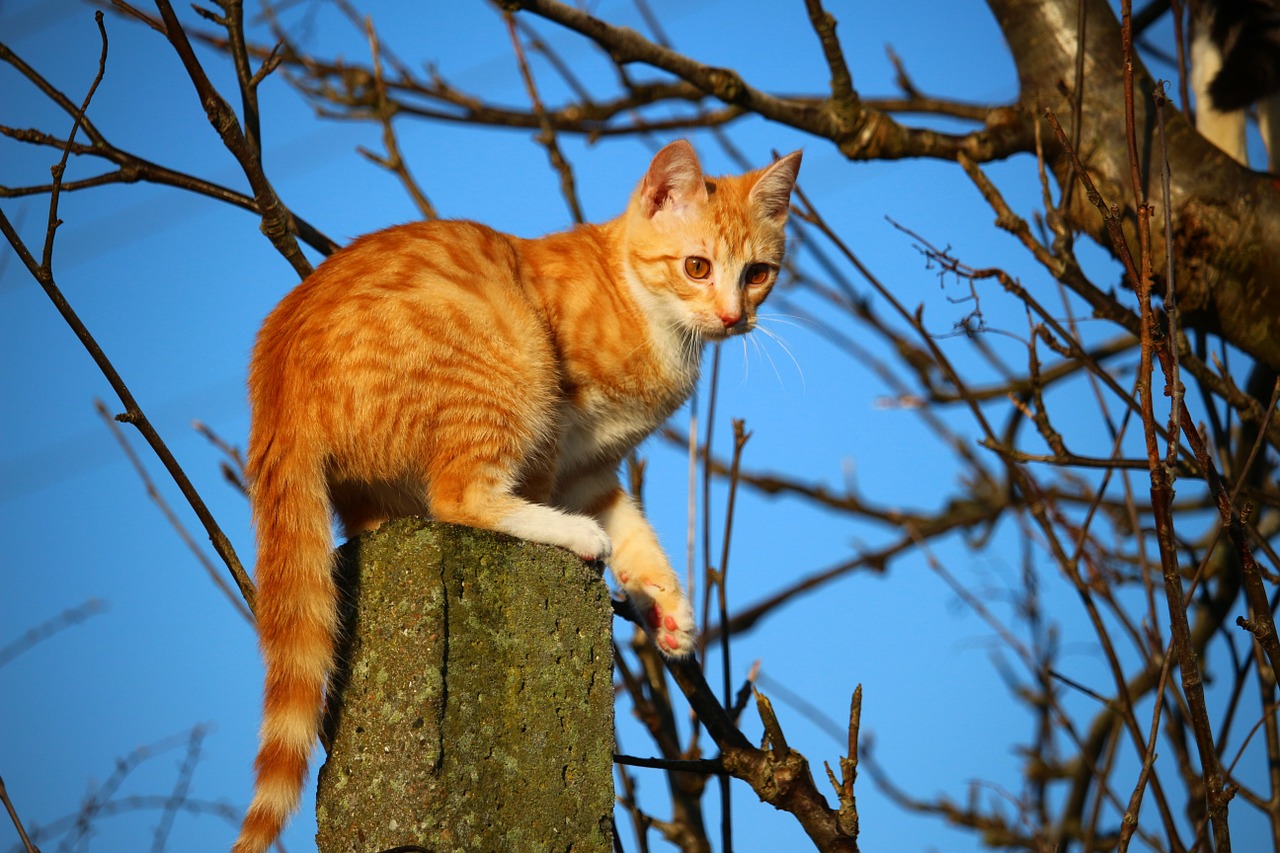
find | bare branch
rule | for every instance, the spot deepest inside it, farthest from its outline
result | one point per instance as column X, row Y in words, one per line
column 176, row 523
column 42, row 272
column 245, row 148
column 17, row 822
column 34, row 636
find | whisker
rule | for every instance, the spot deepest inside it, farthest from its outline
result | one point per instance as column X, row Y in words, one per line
column 786, row 349
column 790, row 320
column 773, row 364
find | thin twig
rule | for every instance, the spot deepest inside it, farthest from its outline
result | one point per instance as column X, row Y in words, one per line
column 97, row 802
column 393, row 161
column 66, row 619
column 180, row 788
column 176, row 523
column 740, row 436
column 276, row 220
column 1216, row 795
column 17, row 822
column 547, row 134
column 709, row 766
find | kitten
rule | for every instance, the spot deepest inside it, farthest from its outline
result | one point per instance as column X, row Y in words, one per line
column 445, row 369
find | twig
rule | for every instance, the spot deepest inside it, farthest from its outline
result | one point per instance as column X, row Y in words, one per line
column 1216, row 796
column 640, row 821
column 393, row 161
column 34, row 636
column 712, row 579
column 1109, row 215
column 97, row 802
column 740, row 437
column 233, row 465
column 130, row 168
column 1130, row 821
column 709, row 766
column 17, row 822
column 848, row 815
column 1036, row 499
column 691, row 510
column 960, row 517
column 275, row 216
column 546, row 132
column 1105, row 305
column 180, row 788
column 1261, row 623
column 170, row 516
column 779, row 775
column 229, row 813
column 654, row 708
column 844, row 100
column 133, row 413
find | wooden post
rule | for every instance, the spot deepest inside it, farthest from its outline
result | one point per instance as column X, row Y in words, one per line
column 475, row 705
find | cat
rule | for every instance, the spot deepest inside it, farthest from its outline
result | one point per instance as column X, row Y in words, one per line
column 445, row 369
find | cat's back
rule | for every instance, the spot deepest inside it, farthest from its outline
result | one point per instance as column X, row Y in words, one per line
column 432, row 256
column 393, row 300
column 458, row 270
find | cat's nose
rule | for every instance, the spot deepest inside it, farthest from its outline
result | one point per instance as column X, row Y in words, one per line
column 730, row 319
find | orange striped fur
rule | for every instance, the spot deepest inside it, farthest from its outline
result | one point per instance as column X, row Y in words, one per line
column 445, row 369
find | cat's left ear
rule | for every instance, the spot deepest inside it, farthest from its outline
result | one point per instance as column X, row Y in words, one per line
column 771, row 196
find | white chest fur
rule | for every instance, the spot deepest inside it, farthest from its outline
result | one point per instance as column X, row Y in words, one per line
column 605, row 422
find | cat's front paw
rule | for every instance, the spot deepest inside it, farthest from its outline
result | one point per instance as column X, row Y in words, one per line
column 590, row 542
column 667, row 617
column 674, row 631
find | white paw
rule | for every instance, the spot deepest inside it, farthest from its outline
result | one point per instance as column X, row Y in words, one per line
column 581, row 535
column 588, row 539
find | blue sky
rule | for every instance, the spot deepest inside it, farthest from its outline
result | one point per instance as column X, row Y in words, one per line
column 175, row 286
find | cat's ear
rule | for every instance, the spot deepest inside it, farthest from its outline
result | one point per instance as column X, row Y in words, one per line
column 674, row 180
column 771, row 196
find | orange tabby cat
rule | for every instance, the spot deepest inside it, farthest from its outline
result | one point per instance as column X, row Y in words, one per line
column 445, row 369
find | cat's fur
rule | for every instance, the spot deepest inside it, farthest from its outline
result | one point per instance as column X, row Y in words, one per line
column 446, row 369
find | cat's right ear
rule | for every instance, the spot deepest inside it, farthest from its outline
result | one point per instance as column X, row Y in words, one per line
column 674, row 181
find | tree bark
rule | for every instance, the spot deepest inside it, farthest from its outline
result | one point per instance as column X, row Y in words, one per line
column 474, row 710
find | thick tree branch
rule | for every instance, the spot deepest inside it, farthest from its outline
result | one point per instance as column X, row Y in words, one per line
column 1226, row 219
column 859, row 133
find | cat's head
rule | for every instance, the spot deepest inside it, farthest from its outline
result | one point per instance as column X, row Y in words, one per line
column 705, row 252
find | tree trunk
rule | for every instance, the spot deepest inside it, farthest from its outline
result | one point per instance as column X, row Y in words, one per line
column 475, row 707
column 1226, row 218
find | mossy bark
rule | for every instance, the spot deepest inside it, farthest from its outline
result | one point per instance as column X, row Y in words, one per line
column 474, row 706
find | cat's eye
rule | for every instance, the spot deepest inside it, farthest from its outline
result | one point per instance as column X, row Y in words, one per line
column 697, row 268
column 758, row 273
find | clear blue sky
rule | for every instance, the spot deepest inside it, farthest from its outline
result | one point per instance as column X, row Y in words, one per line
column 175, row 286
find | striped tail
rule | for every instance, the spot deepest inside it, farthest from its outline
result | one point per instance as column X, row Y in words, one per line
column 297, row 614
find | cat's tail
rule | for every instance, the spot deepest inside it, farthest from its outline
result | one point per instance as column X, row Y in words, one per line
column 297, row 616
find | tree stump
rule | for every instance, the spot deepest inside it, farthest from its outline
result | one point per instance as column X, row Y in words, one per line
column 474, row 702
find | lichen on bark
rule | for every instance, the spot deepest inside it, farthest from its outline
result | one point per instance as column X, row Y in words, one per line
column 474, row 702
